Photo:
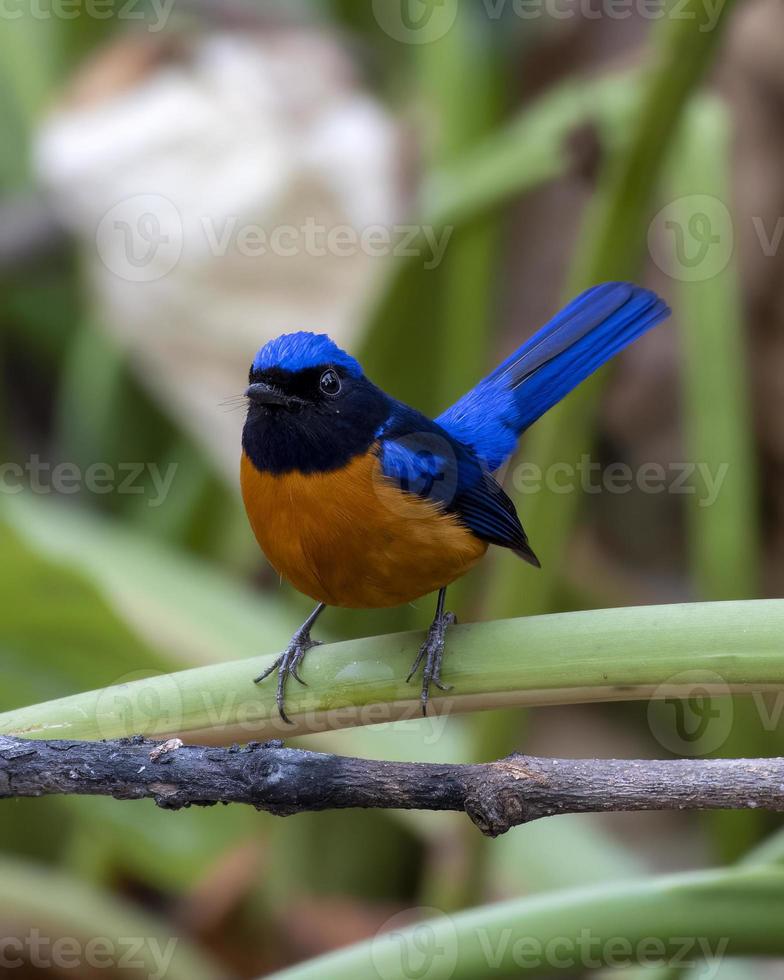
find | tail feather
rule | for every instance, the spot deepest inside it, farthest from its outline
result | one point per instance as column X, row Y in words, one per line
column 584, row 335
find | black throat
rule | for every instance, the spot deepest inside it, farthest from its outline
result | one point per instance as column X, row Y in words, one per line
column 316, row 435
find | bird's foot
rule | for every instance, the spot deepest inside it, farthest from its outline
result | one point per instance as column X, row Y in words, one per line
column 287, row 665
column 432, row 653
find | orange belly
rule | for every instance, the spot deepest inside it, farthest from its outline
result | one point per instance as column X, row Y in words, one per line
column 352, row 538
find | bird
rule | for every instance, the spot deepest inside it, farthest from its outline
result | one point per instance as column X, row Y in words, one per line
column 361, row 501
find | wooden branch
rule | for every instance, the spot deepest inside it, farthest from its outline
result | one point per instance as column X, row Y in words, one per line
column 496, row 795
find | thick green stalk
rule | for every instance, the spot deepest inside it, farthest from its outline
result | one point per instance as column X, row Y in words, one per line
column 723, row 533
column 463, row 75
column 598, row 655
column 695, row 245
column 732, row 913
column 611, row 247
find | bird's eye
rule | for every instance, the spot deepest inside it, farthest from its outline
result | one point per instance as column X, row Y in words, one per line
column 329, row 383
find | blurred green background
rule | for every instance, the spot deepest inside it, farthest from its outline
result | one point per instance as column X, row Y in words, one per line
column 428, row 183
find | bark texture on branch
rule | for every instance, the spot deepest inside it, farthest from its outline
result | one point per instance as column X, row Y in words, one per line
column 496, row 795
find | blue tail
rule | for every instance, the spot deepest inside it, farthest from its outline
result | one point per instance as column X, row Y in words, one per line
column 588, row 332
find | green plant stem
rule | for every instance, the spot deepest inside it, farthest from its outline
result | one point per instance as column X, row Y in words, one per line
column 733, row 913
column 724, row 537
column 611, row 247
column 597, row 655
column 531, row 150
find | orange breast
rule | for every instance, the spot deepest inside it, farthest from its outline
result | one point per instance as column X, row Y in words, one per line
column 352, row 538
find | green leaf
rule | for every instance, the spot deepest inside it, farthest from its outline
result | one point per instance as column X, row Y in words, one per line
column 529, row 151
column 51, row 905
column 58, row 633
column 733, row 913
column 182, row 605
column 522, row 859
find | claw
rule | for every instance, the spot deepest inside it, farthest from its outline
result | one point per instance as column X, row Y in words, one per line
column 295, row 674
column 417, row 662
column 283, row 671
column 287, row 664
column 432, row 652
column 265, row 673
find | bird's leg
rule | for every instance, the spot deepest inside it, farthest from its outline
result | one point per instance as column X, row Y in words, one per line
column 432, row 652
column 288, row 662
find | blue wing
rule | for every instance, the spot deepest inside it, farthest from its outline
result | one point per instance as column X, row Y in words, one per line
column 588, row 332
column 424, row 459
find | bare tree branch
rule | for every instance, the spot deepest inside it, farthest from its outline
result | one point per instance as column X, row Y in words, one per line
column 496, row 795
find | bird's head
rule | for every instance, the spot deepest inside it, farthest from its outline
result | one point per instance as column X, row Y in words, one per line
column 310, row 407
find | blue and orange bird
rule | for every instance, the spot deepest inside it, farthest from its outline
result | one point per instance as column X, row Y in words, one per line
column 362, row 502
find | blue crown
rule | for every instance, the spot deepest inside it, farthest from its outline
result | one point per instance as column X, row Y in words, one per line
column 298, row 351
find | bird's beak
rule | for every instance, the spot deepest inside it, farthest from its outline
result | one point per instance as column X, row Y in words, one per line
column 265, row 394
